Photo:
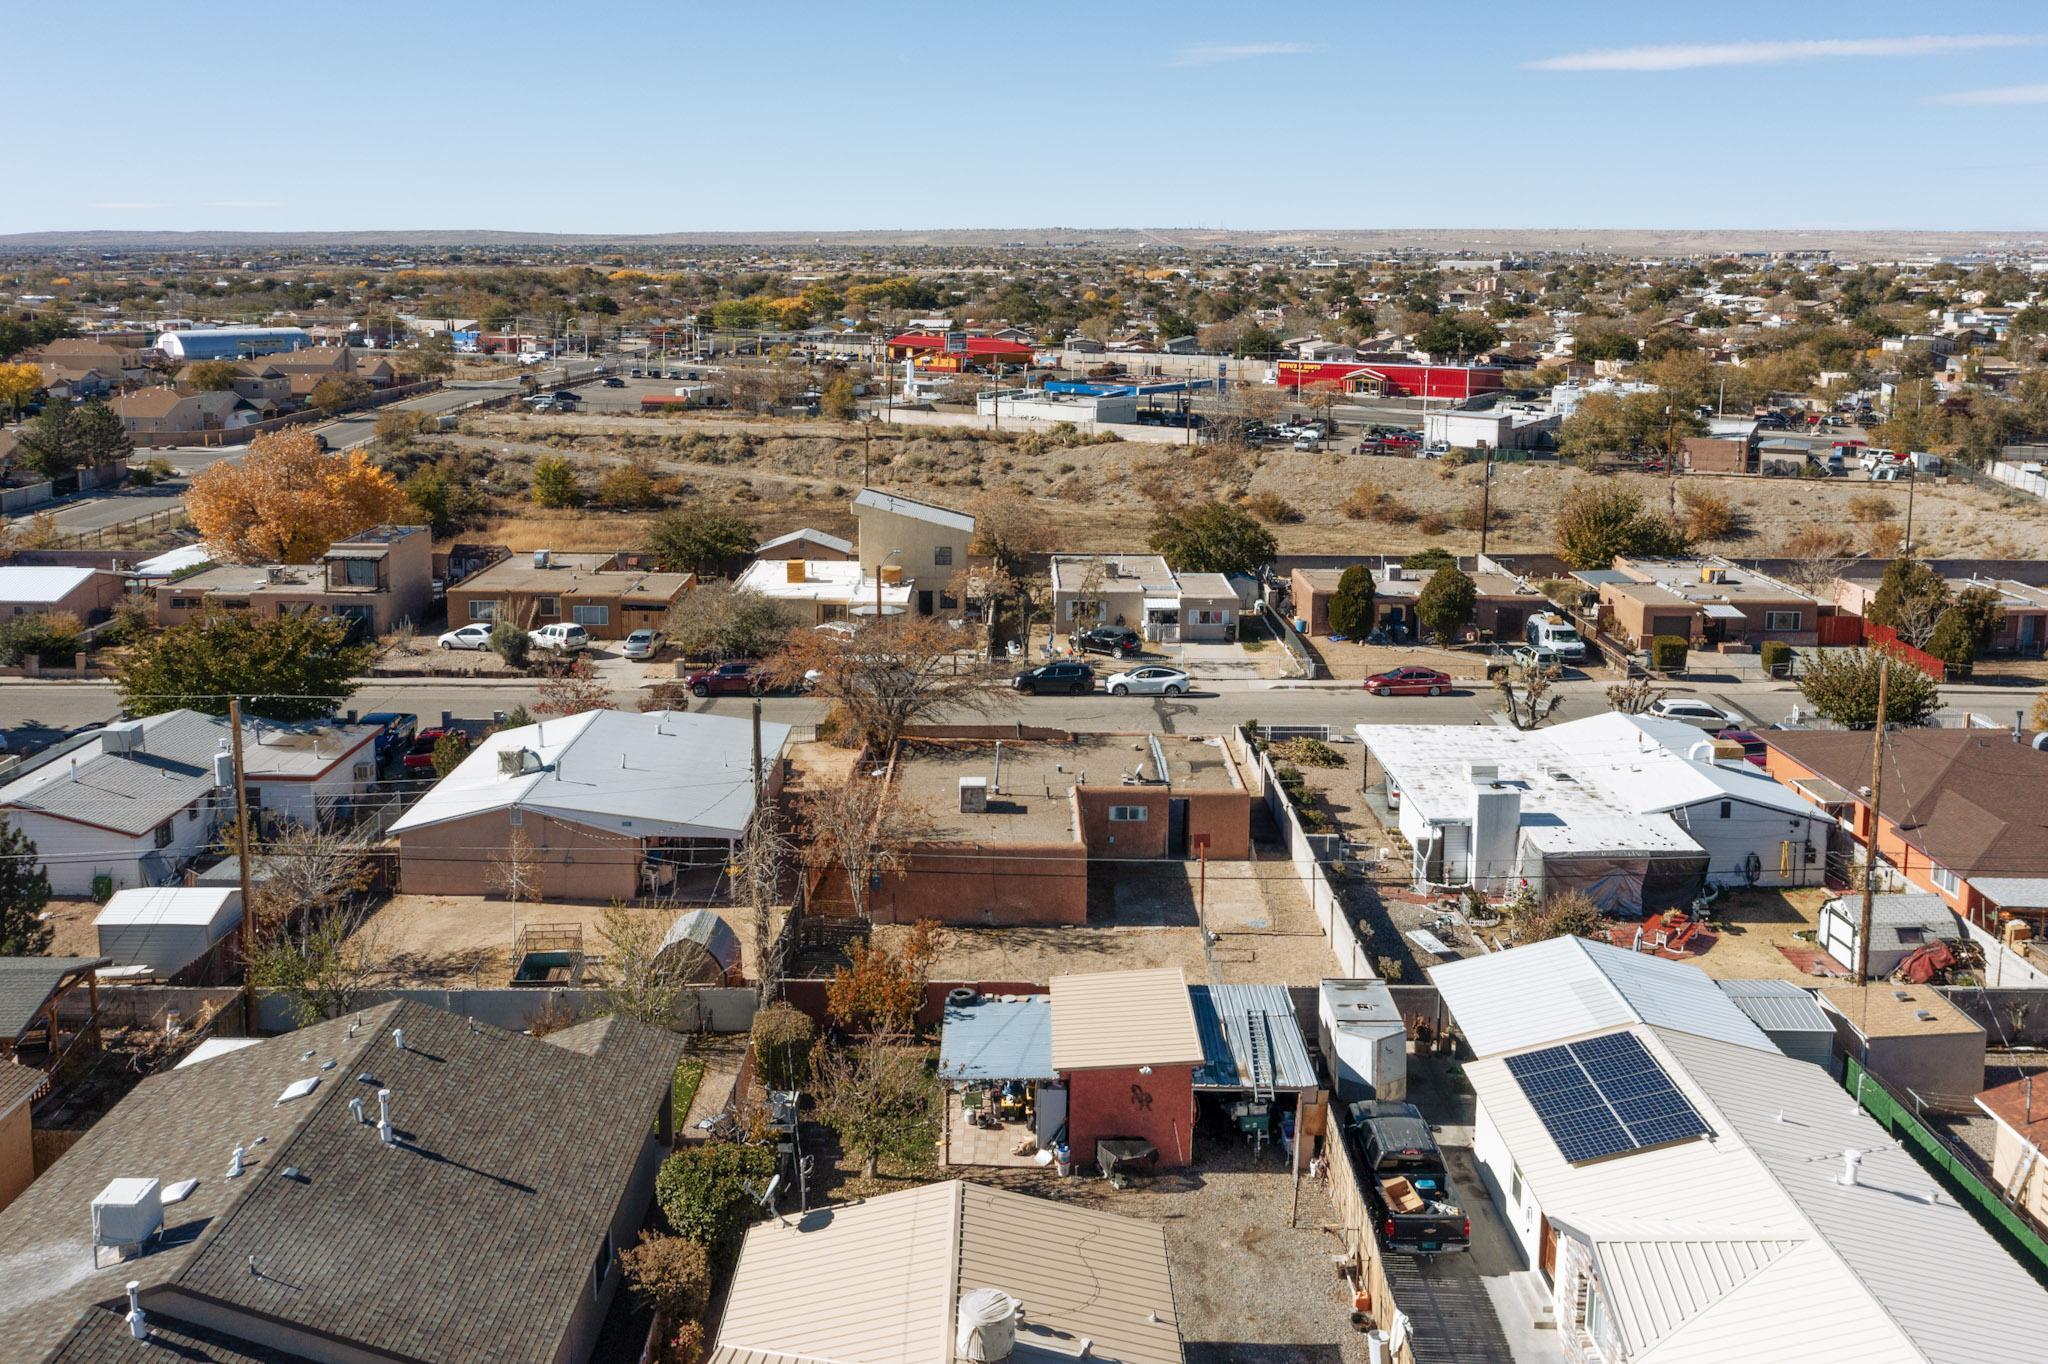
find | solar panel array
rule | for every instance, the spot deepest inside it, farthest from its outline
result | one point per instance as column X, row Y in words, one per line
column 1604, row 1096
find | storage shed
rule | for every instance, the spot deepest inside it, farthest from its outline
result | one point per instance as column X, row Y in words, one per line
column 702, row 949
column 1789, row 1016
column 1364, row 1040
column 167, row 928
column 1900, row 925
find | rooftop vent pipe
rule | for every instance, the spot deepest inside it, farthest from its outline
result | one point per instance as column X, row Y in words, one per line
column 138, row 1324
column 235, row 1161
column 384, row 1133
column 1851, row 1159
column 398, row 1038
column 355, row 1108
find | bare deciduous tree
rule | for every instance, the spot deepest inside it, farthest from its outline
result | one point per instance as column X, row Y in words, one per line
column 1635, row 696
column 641, row 983
column 887, row 675
column 1525, row 693
column 516, row 874
column 862, row 828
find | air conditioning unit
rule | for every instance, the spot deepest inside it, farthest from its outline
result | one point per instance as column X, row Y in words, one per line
column 973, row 795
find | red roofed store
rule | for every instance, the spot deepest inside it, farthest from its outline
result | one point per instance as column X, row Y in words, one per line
column 929, row 350
column 1377, row 379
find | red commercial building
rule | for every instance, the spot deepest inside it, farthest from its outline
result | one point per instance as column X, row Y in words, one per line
column 929, row 350
column 1379, row 379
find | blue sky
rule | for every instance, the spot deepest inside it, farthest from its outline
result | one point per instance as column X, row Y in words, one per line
column 645, row 117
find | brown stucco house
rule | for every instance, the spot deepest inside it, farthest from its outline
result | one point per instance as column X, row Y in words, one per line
column 609, row 595
column 613, row 804
column 380, row 576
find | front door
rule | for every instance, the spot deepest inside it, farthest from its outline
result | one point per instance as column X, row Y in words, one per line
column 1546, row 1251
column 1176, row 828
column 924, row 603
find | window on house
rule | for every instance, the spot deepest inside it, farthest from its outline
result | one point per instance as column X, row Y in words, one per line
column 1946, row 880
column 1083, row 609
column 603, row 1266
column 163, row 834
column 185, row 603
column 947, row 602
column 359, row 572
column 1782, row 620
column 591, row 615
column 483, row 610
column 942, row 556
column 1727, row 809
column 1127, row 814
column 1515, row 1183
column 549, row 607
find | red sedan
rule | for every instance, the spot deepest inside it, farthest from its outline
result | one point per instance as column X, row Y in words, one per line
column 1410, row 681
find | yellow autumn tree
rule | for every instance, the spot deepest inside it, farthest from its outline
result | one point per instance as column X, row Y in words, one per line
column 285, row 501
column 19, row 383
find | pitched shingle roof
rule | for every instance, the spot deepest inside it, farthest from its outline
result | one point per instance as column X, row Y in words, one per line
column 470, row 1240
column 26, row 984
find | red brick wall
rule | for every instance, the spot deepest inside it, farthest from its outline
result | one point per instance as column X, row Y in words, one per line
column 988, row 885
column 1144, row 838
column 1159, row 1108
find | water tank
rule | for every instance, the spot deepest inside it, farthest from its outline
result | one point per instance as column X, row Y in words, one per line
column 988, row 1325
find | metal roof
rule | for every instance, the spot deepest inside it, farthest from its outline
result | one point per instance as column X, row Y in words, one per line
column 1250, row 1038
column 874, row 499
column 879, row 1282
column 697, row 934
column 658, row 773
column 1561, row 988
column 1778, row 1005
column 188, row 906
column 2013, row 892
column 805, row 536
column 38, row 584
column 998, row 1039
column 1763, row 1254
column 1110, row 1019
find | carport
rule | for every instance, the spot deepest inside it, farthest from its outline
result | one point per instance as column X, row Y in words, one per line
column 995, row 1056
column 1253, row 1059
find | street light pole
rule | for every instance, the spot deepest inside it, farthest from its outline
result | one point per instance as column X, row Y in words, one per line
column 1870, row 846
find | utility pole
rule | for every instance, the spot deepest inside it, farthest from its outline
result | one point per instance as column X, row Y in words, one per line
column 1485, row 512
column 1912, row 477
column 757, row 758
column 247, row 936
column 1884, row 673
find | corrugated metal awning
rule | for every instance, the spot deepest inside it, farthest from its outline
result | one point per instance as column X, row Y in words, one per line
column 1250, row 1039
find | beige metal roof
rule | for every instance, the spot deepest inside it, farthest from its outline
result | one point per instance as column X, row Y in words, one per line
column 1109, row 1019
column 879, row 1282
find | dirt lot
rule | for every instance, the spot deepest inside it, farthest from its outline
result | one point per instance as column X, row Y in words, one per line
column 1249, row 1288
column 790, row 473
column 1146, row 917
column 466, row 940
column 71, row 921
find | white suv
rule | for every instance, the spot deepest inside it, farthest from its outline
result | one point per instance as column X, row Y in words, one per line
column 566, row 639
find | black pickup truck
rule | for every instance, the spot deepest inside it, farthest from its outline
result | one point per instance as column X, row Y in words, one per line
column 1390, row 1143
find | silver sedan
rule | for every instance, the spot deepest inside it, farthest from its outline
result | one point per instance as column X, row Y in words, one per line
column 1151, row 680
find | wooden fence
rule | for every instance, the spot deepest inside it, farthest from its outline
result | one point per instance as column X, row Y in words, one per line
column 1348, row 1197
column 1885, row 638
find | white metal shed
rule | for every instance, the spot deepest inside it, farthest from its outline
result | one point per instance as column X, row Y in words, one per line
column 167, row 928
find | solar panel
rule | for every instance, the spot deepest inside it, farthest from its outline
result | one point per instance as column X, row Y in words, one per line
column 1604, row 1096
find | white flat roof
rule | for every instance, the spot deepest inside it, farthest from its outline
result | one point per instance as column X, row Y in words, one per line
column 172, row 560
column 194, row 906
column 874, row 499
column 824, row 580
column 37, row 584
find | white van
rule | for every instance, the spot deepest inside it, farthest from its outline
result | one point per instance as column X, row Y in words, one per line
column 1547, row 630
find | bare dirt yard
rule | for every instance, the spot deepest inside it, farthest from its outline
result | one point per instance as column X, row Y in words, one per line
column 788, row 472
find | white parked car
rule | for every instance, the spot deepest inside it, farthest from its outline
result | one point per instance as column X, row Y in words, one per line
column 641, row 644
column 476, row 635
column 1151, row 680
column 1689, row 711
column 560, row 638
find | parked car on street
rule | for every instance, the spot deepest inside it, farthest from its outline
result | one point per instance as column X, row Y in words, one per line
column 561, row 638
column 1409, row 681
column 475, row 635
column 1754, row 749
column 1114, row 640
column 614, row 381
column 1154, row 679
column 419, row 759
column 1076, row 678
column 740, row 677
column 641, row 644
column 1688, row 710
column 395, row 731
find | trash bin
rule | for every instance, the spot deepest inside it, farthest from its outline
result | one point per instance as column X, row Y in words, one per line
column 1063, row 1160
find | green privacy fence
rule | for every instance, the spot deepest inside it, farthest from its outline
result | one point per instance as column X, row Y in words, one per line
column 1896, row 1118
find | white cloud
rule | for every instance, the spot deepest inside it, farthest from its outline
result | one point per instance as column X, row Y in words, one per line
column 1237, row 52
column 1687, row 56
column 1999, row 94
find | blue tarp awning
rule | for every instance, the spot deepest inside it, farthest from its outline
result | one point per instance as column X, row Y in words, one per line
column 1229, row 1017
column 997, row 1040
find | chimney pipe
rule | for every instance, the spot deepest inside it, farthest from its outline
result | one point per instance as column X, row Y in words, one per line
column 398, row 1038
column 1850, row 1161
column 235, row 1162
column 355, row 1108
column 138, row 1324
column 384, row 1133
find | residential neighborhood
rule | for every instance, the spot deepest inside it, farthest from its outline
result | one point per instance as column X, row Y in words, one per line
column 786, row 763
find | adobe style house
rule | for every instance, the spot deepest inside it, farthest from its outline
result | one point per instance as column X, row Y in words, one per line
column 396, row 1184
column 1711, row 603
column 609, row 595
column 1501, row 606
column 380, row 577
column 1016, row 822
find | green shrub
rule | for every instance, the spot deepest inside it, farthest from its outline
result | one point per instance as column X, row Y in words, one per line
column 511, row 643
column 1777, row 657
column 703, row 1190
column 1667, row 654
column 782, row 1046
